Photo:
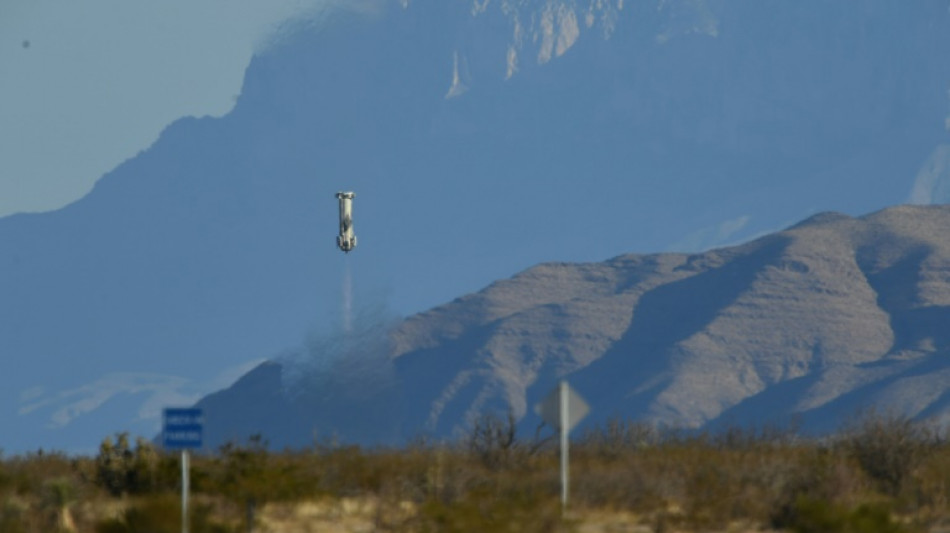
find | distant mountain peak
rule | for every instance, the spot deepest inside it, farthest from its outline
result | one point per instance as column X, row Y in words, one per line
column 538, row 31
column 827, row 217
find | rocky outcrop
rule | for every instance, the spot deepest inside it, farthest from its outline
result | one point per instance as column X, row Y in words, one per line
column 836, row 312
column 813, row 323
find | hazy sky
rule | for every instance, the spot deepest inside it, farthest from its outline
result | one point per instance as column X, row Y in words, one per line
column 87, row 85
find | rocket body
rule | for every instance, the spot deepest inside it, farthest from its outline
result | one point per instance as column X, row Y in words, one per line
column 346, row 240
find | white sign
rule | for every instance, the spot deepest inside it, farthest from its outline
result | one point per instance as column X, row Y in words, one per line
column 550, row 408
column 563, row 409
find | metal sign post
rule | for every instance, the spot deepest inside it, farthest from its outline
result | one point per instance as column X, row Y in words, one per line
column 565, row 420
column 563, row 408
column 185, row 478
column 182, row 430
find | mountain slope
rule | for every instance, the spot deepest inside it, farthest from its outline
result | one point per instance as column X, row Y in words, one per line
column 481, row 138
column 813, row 322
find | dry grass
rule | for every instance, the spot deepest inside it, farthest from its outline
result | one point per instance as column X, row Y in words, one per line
column 879, row 475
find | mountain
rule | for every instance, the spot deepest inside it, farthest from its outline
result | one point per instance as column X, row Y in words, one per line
column 481, row 138
column 808, row 325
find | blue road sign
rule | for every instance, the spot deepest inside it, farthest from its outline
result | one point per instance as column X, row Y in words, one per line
column 182, row 428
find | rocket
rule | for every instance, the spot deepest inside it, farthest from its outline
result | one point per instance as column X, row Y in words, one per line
column 346, row 240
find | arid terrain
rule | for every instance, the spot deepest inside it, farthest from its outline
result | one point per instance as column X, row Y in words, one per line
column 878, row 474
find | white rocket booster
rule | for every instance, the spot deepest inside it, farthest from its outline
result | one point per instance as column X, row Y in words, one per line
column 346, row 240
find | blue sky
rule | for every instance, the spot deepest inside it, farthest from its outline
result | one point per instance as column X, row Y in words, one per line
column 87, row 85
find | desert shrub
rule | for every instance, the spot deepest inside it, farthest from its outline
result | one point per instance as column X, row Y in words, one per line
column 409, row 475
column 37, row 491
column 493, row 508
column 348, row 471
column 120, row 469
column 161, row 514
column 244, row 476
column 706, row 480
column 933, row 481
column 113, row 464
column 249, row 476
column 26, row 474
column 718, row 486
column 888, row 448
column 491, row 480
column 494, row 439
column 58, row 495
column 811, row 515
column 617, row 438
column 756, row 438
column 631, row 483
column 14, row 516
column 243, row 467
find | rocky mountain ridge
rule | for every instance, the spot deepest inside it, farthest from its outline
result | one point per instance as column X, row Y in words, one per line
column 811, row 324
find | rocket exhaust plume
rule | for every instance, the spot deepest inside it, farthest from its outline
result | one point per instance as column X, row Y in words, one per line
column 347, row 298
column 345, row 382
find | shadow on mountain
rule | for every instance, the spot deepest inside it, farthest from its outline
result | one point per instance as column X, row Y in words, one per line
column 771, row 406
column 425, row 375
column 629, row 376
column 882, row 385
column 916, row 326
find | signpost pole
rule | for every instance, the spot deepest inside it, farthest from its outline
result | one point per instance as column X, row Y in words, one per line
column 182, row 430
column 565, row 422
column 185, row 475
column 563, row 408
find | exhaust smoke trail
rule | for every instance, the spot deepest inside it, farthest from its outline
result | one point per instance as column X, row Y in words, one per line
column 347, row 297
column 344, row 383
